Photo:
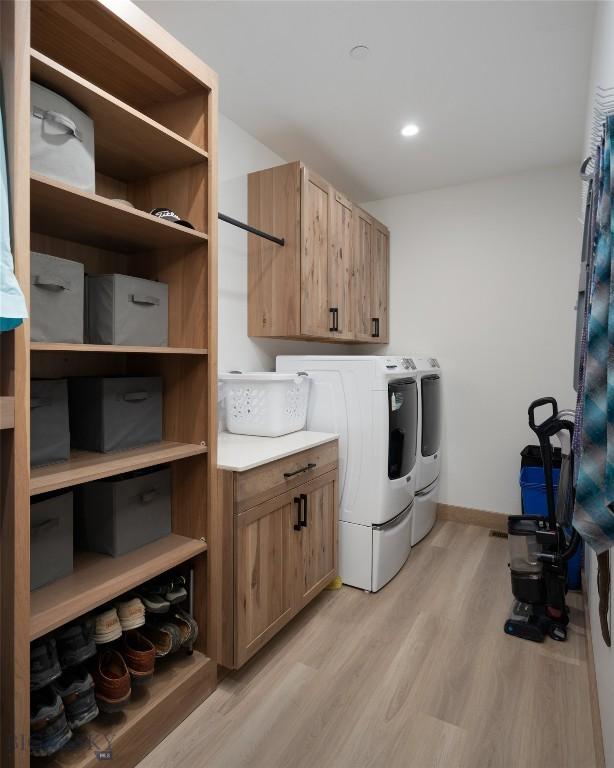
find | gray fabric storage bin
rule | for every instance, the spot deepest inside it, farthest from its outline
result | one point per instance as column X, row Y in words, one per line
column 56, row 299
column 61, row 139
column 126, row 310
column 51, row 538
column 122, row 513
column 115, row 413
column 49, row 424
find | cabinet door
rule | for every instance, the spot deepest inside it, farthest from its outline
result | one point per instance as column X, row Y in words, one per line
column 379, row 283
column 315, row 208
column 267, row 554
column 362, row 225
column 340, row 265
column 318, row 564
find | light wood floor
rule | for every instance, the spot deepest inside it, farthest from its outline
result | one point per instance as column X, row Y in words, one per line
column 418, row 675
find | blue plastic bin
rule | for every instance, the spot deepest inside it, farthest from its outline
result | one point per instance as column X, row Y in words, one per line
column 533, row 493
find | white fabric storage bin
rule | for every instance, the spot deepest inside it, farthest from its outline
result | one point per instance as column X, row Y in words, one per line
column 265, row 404
column 61, row 139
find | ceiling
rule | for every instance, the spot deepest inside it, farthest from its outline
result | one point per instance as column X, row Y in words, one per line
column 496, row 87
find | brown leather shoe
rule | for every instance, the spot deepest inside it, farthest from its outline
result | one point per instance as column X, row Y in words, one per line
column 112, row 681
column 140, row 656
column 165, row 638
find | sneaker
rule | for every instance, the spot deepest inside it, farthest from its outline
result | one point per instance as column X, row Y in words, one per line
column 131, row 613
column 140, row 655
column 49, row 730
column 76, row 689
column 172, row 588
column 108, row 627
column 111, row 681
column 75, row 642
column 154, row 603
column 187, row 626
column 44, row 663
column 166, row 638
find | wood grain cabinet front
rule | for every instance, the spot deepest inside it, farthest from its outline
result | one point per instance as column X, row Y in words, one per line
column 284, row 550
column 330, row 279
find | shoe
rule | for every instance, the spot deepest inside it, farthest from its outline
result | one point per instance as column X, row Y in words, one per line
column 171, row 587
column 76, row 689
column 108, row 627
column 154, row 603
column 111, row 681
column 75, row 642
column 131, row 613
column 140, row 656
column 44, row 663
column 166, row 638
column 49, row 730
column 187, row 626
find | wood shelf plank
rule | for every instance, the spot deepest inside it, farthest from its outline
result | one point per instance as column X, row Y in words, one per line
column 180, row 683
column 85, row 466
column 129, row 145
column 60, row 210
column 7, row 412
column 41, row 346
column 97, row 579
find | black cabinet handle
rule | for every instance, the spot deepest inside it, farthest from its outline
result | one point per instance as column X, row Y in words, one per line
column 304, row 500
column 375, row 323
column 299, row 523
column 298, row 471
column 335, row 320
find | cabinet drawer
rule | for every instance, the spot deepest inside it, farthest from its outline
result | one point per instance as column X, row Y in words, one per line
column 265, row 482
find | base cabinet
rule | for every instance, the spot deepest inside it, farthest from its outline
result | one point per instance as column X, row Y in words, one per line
column 285, row 548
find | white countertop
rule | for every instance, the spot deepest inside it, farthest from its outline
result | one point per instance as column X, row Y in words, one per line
column 238, row 453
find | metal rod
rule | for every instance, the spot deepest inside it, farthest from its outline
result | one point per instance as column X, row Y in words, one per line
column 253, row 230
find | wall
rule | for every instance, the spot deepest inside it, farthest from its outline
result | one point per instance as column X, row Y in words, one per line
column 602, row 74
column 240, row 154
column 484, row 277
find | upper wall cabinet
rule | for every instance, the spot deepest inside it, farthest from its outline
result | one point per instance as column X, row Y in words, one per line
column 330, row 279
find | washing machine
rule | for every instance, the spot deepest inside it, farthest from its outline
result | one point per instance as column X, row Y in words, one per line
column 371, row 402
column 428, row 462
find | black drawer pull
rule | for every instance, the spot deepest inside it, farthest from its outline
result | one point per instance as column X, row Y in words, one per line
column 299, row 523
column 298, row 471
column 335, row 320
column 375, row 333
column 304, row 500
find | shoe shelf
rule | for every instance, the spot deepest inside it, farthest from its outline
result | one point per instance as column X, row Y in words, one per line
column 85, row 466
column 39, row 346
column 62, row 211
column 7, row 412
column 180, row 683
column 129, row 144
column 97, row 579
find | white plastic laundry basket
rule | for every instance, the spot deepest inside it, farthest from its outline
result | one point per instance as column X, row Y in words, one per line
column 265, row 404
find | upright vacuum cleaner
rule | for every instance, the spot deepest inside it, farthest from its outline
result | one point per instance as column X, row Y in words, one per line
column 539, row 547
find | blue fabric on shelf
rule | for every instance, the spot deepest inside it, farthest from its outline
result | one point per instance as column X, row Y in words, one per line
column 12, row 302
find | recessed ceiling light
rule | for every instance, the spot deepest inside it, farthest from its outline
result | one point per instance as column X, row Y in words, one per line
column 411, row 129
column 359, row 52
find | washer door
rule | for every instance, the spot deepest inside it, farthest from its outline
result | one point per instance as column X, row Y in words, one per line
column 402, row 427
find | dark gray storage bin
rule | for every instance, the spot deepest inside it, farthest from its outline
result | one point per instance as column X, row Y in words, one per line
column 51, row 538
column 126, row 310
column 122, row 513
column 56, row 299
column 49, row 424
column 116, row 413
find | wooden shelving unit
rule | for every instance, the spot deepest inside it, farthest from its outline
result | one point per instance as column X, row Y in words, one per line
column 7, row 412
column 84, row 466
column 163, row 704
column 63, row 211
column 99, row 578
column 154, row 106
column 40, row 346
